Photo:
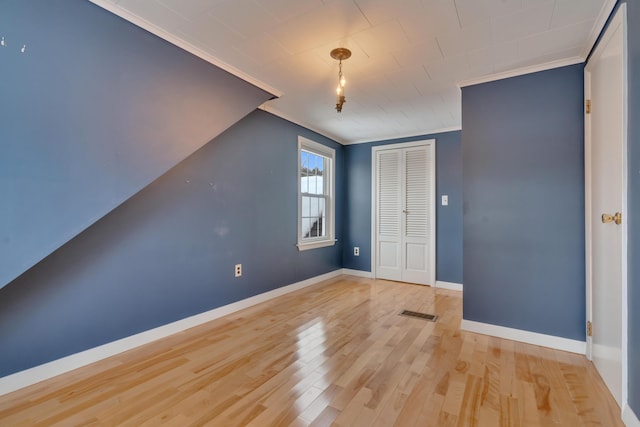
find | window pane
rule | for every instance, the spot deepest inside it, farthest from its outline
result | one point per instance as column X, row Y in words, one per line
column 306, row 227
column 321, row 218
column 315, row 187
column 312, row 173
column 323, row 182
column 304, row 163
column 314, row 208
column 305, row 207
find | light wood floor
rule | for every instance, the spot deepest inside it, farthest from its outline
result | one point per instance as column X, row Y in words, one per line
column 336, row 354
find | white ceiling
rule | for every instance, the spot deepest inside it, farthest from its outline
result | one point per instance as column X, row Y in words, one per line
column 409, row 56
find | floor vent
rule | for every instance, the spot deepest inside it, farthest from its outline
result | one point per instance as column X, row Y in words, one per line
column 425, row 316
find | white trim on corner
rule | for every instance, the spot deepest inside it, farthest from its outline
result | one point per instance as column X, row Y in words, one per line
column 173, row 39
column 629, row 418
column 269, row 109
column 49, row 370
column 522, row 71
column 424, row 134
column 600, row 22
column 357, row 273
column 449, row 285
column 551, row 341
column 418, row 134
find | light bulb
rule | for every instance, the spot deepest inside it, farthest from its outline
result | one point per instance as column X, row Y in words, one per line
column 338, row 90
column 342, row 81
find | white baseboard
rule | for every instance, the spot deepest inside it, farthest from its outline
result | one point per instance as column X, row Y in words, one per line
column 357, row 273
column 551, row 341
column 629, row 418
column 51, row 369
column 449, row 285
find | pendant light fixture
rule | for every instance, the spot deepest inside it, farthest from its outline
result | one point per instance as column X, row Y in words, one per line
column 339, row 54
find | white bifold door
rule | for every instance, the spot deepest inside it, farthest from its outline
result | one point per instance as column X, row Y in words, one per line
column 404, row 207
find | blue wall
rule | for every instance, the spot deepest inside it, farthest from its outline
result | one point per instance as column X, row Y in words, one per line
column 169, row 251
column 95, row 110
column 633, row 39
column 523, row 166
column 449, row 218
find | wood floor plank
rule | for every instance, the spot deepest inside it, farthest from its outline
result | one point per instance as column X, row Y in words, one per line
column 337, row 353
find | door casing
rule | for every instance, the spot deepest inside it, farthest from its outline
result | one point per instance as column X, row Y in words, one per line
column 619, row 19
column 374, row 190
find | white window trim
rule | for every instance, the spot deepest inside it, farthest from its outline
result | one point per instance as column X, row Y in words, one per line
column 329, row 240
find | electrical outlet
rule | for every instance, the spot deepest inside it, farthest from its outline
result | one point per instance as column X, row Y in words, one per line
column 356, row 251
column 238, row 270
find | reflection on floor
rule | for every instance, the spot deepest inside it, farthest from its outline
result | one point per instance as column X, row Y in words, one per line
column 337, row 353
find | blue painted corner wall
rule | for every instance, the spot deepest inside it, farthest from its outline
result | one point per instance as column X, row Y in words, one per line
column 169, row 251
column 91, row 113
column 523, row 167
column 357, row 230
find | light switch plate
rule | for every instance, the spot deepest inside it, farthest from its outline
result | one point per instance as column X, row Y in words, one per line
column 445, row 200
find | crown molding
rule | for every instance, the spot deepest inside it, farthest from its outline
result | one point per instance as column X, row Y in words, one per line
column 182, row 44
column 419, row 133
column 269, row 109
column 522, row 71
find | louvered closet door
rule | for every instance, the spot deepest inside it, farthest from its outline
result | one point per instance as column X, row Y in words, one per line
column 389, row 215
column 415, row 242
column 405, row 241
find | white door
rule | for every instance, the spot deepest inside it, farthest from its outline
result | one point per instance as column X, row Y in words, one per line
column 404, row 220
column 605, row 145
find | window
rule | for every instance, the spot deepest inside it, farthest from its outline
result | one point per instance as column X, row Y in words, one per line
column 315, row 195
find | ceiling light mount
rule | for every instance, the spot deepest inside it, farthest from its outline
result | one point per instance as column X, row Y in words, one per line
column 340, row 54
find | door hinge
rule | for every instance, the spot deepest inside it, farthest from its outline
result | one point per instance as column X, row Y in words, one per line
column 587, row 106
column 589, row 329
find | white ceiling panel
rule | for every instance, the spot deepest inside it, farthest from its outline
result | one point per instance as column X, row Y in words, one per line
column 568, row 12
column 188, row 9
column 555, row 40
column 155, row 12
column 480, row 62
column 380, row 11
column 468, row 38
column 218, row 42
column 473, row 12
column 263, row 48
column 453, row 68
column 382, row 38
column 533, row 20
column 321, row 25
column 407, row 55
column 418, row 54
column 286, row 10
column 247, row 17
column 506, row 56
column 435, row 17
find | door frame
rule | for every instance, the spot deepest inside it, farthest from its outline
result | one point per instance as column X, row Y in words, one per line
column 619, row 18
column 374, row 191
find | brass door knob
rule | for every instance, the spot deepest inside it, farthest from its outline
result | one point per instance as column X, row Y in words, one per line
column 607, row 218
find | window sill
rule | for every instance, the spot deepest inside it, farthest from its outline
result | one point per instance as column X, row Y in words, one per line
column 316, row 244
